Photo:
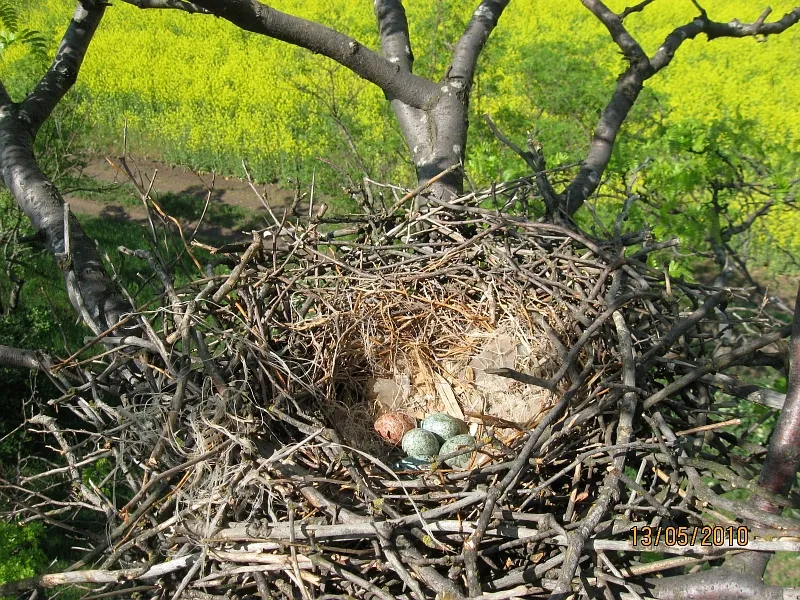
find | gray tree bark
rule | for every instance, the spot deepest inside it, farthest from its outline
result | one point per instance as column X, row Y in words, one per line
column 92, row 292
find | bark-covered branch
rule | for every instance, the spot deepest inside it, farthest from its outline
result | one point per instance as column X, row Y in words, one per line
column 469, row 46
column 737, row 29
column 19, row 358
column 631, row 82
column 629, row 85
column 783, row 457
column 717, row 584
column 92, row 292
column 393, row 28
column 98, row 576
column 90, row 289
column 63, row 73
column 629, row 10
column 189, row 7
column 251, row 15
column 396, row 47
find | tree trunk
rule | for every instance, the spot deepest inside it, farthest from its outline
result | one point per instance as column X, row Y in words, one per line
column 437, row 137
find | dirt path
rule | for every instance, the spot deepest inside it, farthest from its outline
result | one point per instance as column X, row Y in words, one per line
column 181, row 192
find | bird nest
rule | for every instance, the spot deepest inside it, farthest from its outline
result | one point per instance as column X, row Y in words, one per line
column 229, row 448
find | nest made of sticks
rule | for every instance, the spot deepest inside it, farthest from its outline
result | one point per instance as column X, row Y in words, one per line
column 236, row 433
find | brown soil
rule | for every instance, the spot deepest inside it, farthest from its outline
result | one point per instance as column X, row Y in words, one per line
column 170, row 182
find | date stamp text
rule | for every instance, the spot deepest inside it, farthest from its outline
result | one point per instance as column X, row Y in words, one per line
column 708, row 535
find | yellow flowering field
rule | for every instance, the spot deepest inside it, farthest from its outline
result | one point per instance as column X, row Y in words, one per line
column 199, row 91
column 196, row 90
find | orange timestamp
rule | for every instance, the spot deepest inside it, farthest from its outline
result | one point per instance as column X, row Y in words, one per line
column 707, row 535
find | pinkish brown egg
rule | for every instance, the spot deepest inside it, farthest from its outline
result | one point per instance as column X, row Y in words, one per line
column 392, row 426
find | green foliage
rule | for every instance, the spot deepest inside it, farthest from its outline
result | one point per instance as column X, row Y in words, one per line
column 11, row 33
column 20, row 554
column 708, row 178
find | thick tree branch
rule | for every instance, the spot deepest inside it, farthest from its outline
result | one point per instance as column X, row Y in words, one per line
column 395, row 39
column 396, row 47
column 716, row 584
column 631, row 82
column 629, row 85
column 469, row 46
column 251, row 15
column 189, row 7
column 91, row 291
column 19, row 358
column 629, row 46
column 63, row 73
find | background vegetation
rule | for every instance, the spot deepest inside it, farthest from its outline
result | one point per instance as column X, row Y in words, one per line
column 197, row 91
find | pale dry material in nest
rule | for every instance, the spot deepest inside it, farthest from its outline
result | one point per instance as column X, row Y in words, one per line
column 423, row 347
column 231, row 449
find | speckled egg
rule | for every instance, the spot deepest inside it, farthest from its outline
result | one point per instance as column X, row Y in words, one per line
column 443, row 426
column 455, row 443
column 392, row 426
column 419, row 443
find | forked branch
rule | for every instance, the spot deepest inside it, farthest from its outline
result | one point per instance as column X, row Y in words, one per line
column 631, row 81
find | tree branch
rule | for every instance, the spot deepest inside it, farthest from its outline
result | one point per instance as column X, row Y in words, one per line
column 783, row 457
column 98, row 576
column 727, row 233
column 19, row 358
column 631, row 82
column 716, row 584
column 396, row 47
column 251, row 15
column 737, row 29
column 629, row 10
column 91, row 291
column 714, row 30
column 629, row 46
column 469, row 46
column 717, row 364
column 393, row 28
column 189, row 7
column 629, row 85
column 63, row 73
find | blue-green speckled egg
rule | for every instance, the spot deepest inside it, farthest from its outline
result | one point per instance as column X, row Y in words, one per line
column 421, row 444
column 443, row 426
column 455, row 443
